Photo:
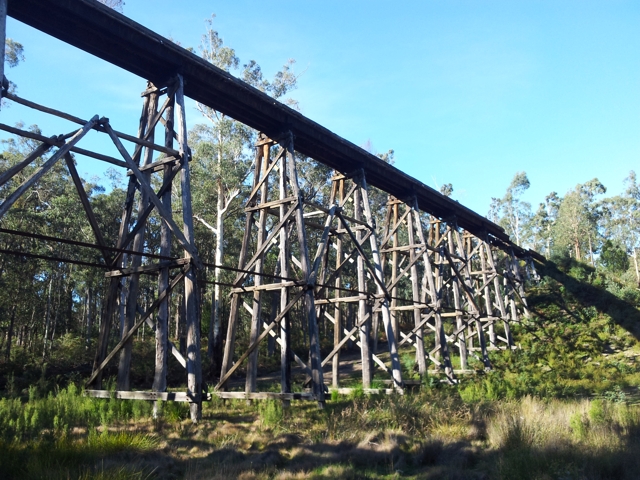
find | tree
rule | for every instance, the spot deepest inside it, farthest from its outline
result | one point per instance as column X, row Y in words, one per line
column 620, row 220
column 446, row 189
column 614, row 257
column 13, row 52
column 576, row 227
column 13, row 55
column 541, row 224
column 115, row 4
column 510, row 211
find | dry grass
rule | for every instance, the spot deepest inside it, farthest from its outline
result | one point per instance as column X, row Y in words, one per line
column 427, row 435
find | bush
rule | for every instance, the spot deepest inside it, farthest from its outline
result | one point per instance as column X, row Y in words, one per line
column 271, row 412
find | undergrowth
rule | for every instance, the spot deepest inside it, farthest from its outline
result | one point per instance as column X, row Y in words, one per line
column 563, row 405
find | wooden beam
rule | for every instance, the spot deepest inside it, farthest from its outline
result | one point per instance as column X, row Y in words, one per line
column 28, row 183
column 255, row 344
column 149, row 396
column 38, row 152
column 166, row 215
column 87, row 207
column 137, row 325
column 66, row 116
column 267, row 205
column 152, row 268
column 265, row 396
column 3, row 36
column 57, row 141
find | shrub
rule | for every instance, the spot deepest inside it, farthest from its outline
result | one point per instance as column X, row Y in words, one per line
column 271, row 412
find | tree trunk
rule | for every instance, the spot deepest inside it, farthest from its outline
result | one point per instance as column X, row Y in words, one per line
column 215, row 346
column 90, row 314
column 47, row 319
column 10, row 332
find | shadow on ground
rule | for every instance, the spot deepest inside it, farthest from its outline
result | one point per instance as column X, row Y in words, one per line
column 623, row 313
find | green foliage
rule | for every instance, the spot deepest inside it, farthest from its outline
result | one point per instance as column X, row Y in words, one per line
column 357, row 392
column 174, row 411
column 510, row 211
column 335, row 396
column 55, row 414
column 597, row 414
column 271, row 412
column 13, row 52
column 579, row 425
column 408, row 361
column 613, row 257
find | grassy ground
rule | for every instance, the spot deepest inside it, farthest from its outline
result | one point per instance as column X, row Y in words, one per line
column 432, row 434
column 563, row 406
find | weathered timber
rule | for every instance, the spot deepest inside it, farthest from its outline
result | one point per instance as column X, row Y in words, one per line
column 3, row 35
column 153, row 268
column 84, row 199
column 266, row 396
column 62, row 151
column 150, row 396
column 139, row 141
column 38, row 152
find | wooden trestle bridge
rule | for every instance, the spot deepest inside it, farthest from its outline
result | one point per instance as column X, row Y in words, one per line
column 464, row 274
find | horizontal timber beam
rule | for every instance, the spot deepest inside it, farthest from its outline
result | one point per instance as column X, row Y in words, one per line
column 151, row 396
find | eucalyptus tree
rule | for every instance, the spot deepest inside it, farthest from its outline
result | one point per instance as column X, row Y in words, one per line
column 115, row 4
column 446, row 189
column 621, row 220
column 223, row 154
column 13, row 52
column 542, row 222
column 576, row 226
column 510, row 211
column 13, row 55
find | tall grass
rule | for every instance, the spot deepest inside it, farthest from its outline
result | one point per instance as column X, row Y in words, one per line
column 56, row 413
column 55, row 436
column 594, row 439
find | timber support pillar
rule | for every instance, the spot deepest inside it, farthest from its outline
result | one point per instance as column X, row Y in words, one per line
column 253, row 280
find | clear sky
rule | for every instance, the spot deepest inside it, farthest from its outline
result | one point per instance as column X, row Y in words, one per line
column 465, row 92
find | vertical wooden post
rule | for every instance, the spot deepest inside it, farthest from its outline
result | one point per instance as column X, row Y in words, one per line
column 3, row 37
column 455, row 286
column 229, row 347
column 519, row 282
column 499, row 298
column 485, row 251
column 472, row 305
column 309, row 304
column 284, row 259
column 440, row 333
column 394, row 269
column 413, row 223
column 194, row 366
column 162, row 326
column 362, row 303
column 116, row 283
column 337, row 326
column 124, row 365
column 386, row 317
column 261, row 170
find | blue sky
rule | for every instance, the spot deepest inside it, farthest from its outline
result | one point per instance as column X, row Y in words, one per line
column 465, row 92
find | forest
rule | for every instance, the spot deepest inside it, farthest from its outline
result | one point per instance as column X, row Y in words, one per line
column 563, row 404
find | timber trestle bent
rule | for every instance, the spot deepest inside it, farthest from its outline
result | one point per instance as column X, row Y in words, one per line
column 330, row 265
